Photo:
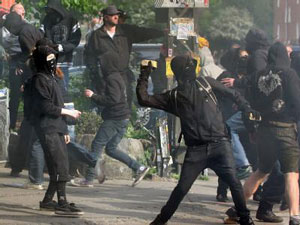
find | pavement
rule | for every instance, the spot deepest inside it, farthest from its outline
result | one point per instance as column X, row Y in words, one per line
column 115, row 202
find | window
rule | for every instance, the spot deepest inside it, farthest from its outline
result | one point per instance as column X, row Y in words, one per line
column 278, row 3
column 278, row 31
column 297, row 31
column 297, row 1
column 289, row 15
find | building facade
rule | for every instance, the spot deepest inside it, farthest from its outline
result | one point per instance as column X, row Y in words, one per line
column 286, row 21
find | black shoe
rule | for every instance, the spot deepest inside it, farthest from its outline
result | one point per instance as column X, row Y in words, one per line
column 246, row 221
column 283, row 206
column 48, row 206
column 158, row 221
column 268, row 216
column 68, row 209
column 221, row 198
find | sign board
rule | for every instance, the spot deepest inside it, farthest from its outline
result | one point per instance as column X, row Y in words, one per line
column 181, row 3
column 182, row 28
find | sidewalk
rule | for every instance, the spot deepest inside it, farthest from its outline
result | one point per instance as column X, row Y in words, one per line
column 116, row 203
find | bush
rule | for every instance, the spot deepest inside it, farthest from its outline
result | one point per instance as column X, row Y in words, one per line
column 88, row 123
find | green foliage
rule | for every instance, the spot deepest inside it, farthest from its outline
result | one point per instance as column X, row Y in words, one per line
column 231, row 24
column 132, row 132
column 88, row 123
column 81, row 8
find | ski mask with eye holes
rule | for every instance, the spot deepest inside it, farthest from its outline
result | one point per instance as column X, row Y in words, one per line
column 184, row 68
column 45, row 59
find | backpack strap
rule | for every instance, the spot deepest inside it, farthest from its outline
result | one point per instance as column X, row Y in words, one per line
column 205, row 86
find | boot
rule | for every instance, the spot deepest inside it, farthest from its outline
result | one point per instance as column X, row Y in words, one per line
column 265, row 213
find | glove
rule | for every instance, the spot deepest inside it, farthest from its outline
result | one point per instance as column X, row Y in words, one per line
column 60, row 48
column 251, row 119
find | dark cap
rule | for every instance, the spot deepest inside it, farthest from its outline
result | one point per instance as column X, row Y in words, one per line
column 111, row 10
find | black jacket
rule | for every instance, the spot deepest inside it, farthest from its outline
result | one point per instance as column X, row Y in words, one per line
column 201, row 119
column 62, row 28
column 275, row 91
column 114, row 97
column 100, row 42
column 28, row 37
column 47, row 103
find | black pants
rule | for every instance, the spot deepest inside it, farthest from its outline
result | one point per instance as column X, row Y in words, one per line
column 15, row 94
column 217, row 156
column 18, row 157
column 56, row 155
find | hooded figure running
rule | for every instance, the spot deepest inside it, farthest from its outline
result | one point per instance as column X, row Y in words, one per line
column 203, row 128
column 47, row 116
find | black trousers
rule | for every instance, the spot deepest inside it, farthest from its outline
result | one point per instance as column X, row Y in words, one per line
column 56, row 154
column 19, row 156
column 217, row 156
column 15, row 94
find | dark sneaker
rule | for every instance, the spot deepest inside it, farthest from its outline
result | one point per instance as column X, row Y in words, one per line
column 246, row 221
column 157, row 221
column 243, row 172
column 294, row 221
column 68, row 209
column 141, row 173
column 268, row 216
column 221, row 198
column 48, row 206
column 99, row 171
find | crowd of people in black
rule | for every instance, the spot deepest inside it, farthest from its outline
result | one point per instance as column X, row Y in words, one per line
column 239, row 117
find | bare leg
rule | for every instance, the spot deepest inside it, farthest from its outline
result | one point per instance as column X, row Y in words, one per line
column 292, row 192
column 253, row 182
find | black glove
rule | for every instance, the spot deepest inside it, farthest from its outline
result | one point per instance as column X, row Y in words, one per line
column 251, row 119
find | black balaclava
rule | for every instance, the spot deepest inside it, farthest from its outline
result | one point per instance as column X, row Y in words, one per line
column 278, row 57
column 184, row 68
column 45, row 59
column 14, row 23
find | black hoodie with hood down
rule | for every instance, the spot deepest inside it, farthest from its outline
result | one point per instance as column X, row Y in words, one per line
column 275, row 91
column 114, row 97
column 28, row 36
column 200, row 115
column 62, row 28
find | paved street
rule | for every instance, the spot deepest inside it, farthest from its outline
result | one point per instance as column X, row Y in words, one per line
column 116, row 203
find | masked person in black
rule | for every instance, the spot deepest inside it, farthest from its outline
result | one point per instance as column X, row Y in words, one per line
column 47, row 115
column 203, row 128
column 275, row 93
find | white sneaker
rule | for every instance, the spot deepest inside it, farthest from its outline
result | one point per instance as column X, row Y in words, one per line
column 33, row 186
column 99, row 171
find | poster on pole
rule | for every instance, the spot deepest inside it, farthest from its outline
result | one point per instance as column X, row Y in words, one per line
column 181, row 3
column 182, row 28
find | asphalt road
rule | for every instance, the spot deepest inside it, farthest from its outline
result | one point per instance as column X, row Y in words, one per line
column 116, row 203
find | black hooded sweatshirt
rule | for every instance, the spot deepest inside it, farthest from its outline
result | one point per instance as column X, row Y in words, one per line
column 257, row 45
column 114, row 97
column 62, row 28
column 46, row 97
column 28, row 37
column 275, row 91
column 201, row 118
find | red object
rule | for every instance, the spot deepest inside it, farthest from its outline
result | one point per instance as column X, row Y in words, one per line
column 5, row 5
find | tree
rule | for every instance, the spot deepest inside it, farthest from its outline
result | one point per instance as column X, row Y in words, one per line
column 231, row 24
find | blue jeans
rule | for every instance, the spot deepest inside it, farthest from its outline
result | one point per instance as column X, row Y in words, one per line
column 65, row 70
column 236, row 125
column 109, row 135
column 36, row 163
column 71, row 128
